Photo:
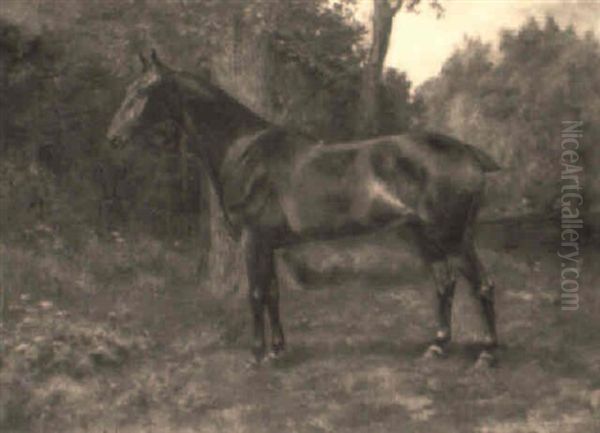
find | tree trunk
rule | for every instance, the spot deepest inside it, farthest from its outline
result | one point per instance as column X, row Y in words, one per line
column 367, row 124
column 236, row 68
column 226, row 267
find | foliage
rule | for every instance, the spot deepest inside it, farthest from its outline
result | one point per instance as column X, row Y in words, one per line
column 48, row 358
column 327, row 42
column 49, row 129
column 513, row 103
column 396, row 107
column 78, row 321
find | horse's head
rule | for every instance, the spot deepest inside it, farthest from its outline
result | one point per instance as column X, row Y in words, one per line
column 155, row 98
column 139, row 108
column 163, row 103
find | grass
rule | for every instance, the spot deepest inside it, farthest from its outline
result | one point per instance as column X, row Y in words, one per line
column 121, row 335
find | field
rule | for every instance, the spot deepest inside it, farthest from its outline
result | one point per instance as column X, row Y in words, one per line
column 116, row 334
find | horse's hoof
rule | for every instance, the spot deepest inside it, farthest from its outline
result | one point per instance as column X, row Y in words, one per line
column 252, row 363
column 259, row 354
column 272, row 356
column 278, row 349
column 435, row 351
column 485, row 361
column 275, row 353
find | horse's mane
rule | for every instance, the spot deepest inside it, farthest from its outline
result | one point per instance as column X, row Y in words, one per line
column 203, row 86
column 199, row 86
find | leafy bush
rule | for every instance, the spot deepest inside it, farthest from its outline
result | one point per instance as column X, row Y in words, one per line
column 512, row 103
column 47, row 358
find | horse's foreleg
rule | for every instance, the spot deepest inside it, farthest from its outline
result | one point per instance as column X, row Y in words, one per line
column 483, row 290
column 264, row 294
column 256, row 269
column 445, row 281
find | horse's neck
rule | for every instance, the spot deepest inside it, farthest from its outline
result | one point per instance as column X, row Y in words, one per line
column 212, row 147
column 212, row 160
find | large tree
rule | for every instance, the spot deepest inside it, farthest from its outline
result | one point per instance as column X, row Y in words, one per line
column 384, row 11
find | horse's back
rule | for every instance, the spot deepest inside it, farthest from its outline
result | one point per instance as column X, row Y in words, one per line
column 393, row 178
column 446, row 146
column 278, row 179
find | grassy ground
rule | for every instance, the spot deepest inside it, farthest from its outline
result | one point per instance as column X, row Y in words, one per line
column 118, row 335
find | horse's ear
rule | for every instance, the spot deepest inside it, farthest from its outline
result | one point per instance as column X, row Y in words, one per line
column 144, row 61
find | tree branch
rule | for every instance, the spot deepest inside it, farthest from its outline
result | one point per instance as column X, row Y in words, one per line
column 437, row 7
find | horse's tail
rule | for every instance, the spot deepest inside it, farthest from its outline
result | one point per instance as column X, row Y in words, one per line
column 451, row 144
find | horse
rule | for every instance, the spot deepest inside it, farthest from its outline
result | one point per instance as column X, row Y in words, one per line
column 278, row 187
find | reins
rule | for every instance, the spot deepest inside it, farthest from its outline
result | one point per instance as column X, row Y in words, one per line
column 193, row 134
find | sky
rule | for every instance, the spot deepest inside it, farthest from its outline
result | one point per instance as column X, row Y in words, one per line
column 420, row 43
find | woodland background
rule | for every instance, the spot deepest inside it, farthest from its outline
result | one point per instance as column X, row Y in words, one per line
column 104, row 249
column 298, row 64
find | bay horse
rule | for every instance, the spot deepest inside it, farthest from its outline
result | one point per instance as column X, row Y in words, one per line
column 277, row 188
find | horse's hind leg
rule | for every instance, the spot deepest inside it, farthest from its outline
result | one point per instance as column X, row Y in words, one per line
column 482, row 288
column 264, row 293
column 272, row 300
column 444, row 276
